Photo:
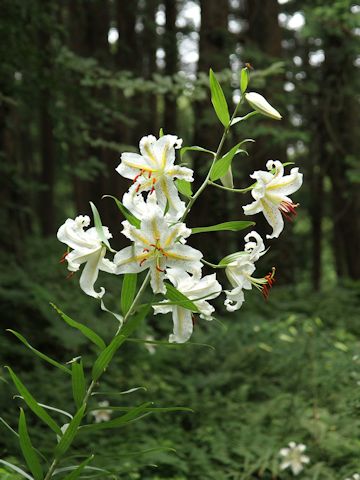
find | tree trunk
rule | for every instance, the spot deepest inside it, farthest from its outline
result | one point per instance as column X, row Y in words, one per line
column 171, row 65
column 211, row 206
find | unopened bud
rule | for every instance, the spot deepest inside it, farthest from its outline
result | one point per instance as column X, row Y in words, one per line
column 261, row 105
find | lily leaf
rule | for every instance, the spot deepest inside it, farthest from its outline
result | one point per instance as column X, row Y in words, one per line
column 67, row 438
column 78, row 382
column 234, row 226
column 107, row 354
column 30, row 455
column 179, row 298
column 221, row 167
column 194, row 148
column 127, row 214
column 218, row 100
column 86, row 331
column 38, row 353
column 133, row 414
column 33, row 404
column 128, row 291
column 99, row 226
column 184, row 187
column 16, row 469
column 77, row 472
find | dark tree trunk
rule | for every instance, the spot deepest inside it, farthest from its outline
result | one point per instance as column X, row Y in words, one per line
column 340, row 118
column 171, row 65
column 47, row 146
column 211, row 206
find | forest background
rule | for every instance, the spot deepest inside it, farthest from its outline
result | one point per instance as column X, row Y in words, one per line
column 82, row 81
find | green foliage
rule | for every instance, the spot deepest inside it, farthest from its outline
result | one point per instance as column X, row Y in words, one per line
column 218, row 100
column 234, row 226
column 128, row 291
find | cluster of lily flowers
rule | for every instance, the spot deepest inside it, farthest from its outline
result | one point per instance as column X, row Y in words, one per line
column 159, row 236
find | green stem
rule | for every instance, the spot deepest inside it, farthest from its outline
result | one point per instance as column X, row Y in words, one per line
column 51, row 469
column 142, row 289
column 236, row 190
column 212, row 265
column 216, row 157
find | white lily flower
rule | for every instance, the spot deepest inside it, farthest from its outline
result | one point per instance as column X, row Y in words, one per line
column 270, row 194
column 139, row 207
column 194, row 288
column 294, row 457
column 261, row 105
column 103, row 414
column 157, row 245
column 356, row 476
column 239, row 271
column 154, row 170
column 86, row 248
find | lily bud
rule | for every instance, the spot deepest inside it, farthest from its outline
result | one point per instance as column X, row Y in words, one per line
column 261, row 105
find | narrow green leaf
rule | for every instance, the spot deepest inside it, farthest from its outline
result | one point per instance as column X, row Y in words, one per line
column 184, row 187
column 127, row 214
column 128, row 291
column 78, row 383
column 99, row 227
column 38, row 353
column 16, row 469
column 229, row 226
column 33, row 404
column 9, row 427
column 106, row 355
column 232, row 258
column 133, row 413
column 161, row 132
column 218, row 100
column 150, row 409
column 244, row 79
column 76, row 473
column 30, row 455
column 86, row 331
column 221, row 167
column 69, row 435
column 179, row 298
column 125, row 392
column 194, row 148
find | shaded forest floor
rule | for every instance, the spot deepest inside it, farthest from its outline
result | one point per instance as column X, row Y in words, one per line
column 285, row 370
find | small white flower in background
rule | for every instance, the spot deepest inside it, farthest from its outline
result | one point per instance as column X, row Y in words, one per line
column 150, row 347
column 294, row 458
column 157, row 246
column 270, row 194
column 102, row 414
column 154, row 170
column 356, row 476
column 261, row 105
column 239, row 272
column 87, row 248
column 194, row 288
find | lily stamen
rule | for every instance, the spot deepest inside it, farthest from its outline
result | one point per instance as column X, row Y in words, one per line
column 270, row 280
column 63, row 257
column 288, row 211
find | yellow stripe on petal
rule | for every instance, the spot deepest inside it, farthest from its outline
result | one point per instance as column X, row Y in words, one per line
column 165, row 189
column 137, row 235
column 134, row 258
column 173, row 235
